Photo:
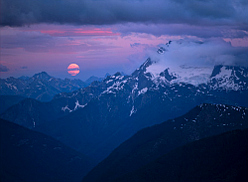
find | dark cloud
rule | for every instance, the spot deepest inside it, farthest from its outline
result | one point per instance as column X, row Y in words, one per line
column 3, row 68
column 182, row 30
column 37, row 42
column 100, row 12
column 30, row 41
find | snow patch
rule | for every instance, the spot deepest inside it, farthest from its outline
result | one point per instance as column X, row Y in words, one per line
column 142, row 91
column 155, row 69
column 182, row 74
column 66, row 108
column 133, row 111
column 77, row 105
column 224, row 73
column 9, row 85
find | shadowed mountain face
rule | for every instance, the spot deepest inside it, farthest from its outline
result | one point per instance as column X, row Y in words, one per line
column 8, row 101
column 29, row 156
column 219, row 158
column 153, row 142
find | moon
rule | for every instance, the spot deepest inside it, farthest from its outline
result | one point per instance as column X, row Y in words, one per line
column 73, row 69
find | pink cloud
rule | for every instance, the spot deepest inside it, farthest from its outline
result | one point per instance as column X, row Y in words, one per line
column 52, row 32
column 53, row 47
column 72, row 31
column 45, row 47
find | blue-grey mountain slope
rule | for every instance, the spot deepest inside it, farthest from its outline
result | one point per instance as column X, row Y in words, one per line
column 28, row 156
column 153, row 142
column 41, row 86
column 219, row 158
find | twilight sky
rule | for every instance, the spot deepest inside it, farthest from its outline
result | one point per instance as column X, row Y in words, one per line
column 117, row 35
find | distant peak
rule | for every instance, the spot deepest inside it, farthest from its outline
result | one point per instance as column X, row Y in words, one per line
column 92, row 79
column 23, row 78
column 117, row 74
column 146, row 64
column 216, row 70
column 106, row 75
column 143, row 67
column 42, row 75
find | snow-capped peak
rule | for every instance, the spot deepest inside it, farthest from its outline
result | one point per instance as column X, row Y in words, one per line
column 190, row 62
column 181, row 74
column 229, row 78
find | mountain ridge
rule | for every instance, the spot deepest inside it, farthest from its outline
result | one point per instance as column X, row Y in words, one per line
column 197, row 160
column 41, row 86
column 28, row 155
column 150, row 143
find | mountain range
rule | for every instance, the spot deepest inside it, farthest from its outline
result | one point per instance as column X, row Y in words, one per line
column 41, row 86
column 96, row 119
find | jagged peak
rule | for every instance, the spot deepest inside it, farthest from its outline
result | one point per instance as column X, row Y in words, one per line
column 146, row 64
column 42, row 75
column 106, row 75
column 117, row 74
column 143, row 67
column 216, row 70
column 167, row 75
column 220, row 68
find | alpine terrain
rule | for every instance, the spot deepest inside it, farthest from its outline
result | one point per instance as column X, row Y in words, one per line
column 41, row 86
column 96, row 119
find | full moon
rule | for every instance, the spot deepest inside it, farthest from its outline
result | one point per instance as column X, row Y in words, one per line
column 73, row 69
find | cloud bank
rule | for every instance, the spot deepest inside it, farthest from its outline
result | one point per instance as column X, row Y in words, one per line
column 102, row 12
column 191, row 53
column 193, row 61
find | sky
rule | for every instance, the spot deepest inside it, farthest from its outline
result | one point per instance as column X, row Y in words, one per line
column 106, row 36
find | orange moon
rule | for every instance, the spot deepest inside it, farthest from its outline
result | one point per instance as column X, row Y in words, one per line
column 73, row 69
